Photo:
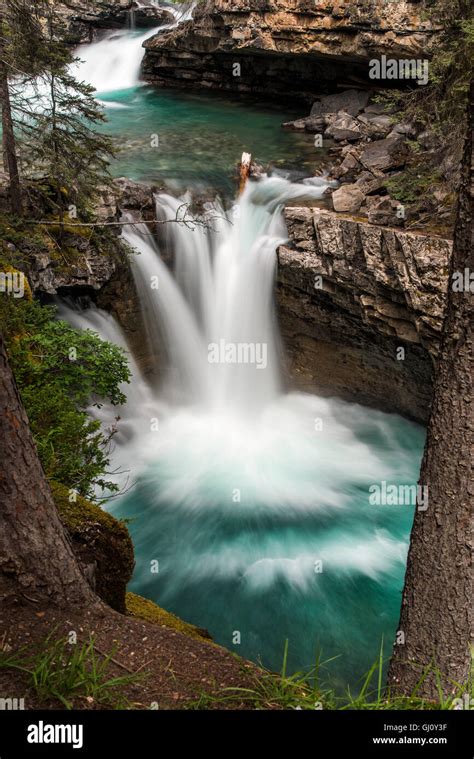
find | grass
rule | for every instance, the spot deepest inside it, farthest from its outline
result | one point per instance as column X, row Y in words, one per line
column 70, row 672
column 302, row 690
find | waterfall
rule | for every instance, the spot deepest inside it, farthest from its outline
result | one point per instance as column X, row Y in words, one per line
column 211, row 319
column 114, row 63
column 254, row 500
column 216, row 315
column 131, row 18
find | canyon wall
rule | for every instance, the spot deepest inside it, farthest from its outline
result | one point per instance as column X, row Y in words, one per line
column 350, row 296
column 286, row 47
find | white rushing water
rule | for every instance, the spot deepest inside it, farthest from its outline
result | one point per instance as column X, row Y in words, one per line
column 220, row 404
column 220, row 299
column 114, row 62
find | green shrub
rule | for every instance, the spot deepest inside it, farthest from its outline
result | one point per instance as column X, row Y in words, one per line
column 60, row 371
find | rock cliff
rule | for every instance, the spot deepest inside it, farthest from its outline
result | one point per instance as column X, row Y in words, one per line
column 285, row 46
column 351, row 295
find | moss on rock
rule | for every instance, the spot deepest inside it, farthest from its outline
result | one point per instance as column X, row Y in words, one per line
column 143, row 608
column 101, row 543
column 103, row 547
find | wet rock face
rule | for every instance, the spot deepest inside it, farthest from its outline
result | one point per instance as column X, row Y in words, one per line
column 351, row 295
column 285, row 46
column 86, row 269
column 87, row 20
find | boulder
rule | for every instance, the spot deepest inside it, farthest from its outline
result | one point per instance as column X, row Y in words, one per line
column 368, row 183
column 375, row 126
column 314, row 124
column 344, row 127
column 101, row 543
column 383, row 211
column 347, row 199
column 298, row 125
column 385, row 154
column 309, row 124
column 376, row 108
column 349, row 167
column 349, row 101
column 136, row 196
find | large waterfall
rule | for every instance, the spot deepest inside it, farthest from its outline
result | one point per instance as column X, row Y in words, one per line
column 253, row 500
column 216, row 314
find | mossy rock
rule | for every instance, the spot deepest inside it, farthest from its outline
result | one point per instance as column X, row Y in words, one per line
column 101, row 543
column 143, row 608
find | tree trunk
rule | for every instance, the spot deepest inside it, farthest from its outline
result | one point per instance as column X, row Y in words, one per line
column 36, row 559
column 8, row 137
column 436, row 614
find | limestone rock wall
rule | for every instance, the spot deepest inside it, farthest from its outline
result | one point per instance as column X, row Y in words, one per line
column 350, row 296
column 285, row 46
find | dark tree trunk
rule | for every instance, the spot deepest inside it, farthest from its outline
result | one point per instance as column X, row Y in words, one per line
column 36, row 559
column 8, row 135
column 436, row 614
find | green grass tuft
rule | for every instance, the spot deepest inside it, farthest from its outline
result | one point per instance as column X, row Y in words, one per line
column 302, row 690
column 70, row 672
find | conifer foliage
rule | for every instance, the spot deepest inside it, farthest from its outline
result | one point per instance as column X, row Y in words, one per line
column 49, row 116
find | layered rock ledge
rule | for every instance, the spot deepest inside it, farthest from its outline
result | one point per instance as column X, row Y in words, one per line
column 285, row 46
column 351, row 295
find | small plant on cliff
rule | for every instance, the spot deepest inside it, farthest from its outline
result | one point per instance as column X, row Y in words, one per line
column 60, row 371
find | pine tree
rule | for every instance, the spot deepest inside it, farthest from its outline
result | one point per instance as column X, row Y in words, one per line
column 437, row 616
column 10, row 159
column 54, row 115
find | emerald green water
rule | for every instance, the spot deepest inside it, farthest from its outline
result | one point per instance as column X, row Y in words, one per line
column 200, row 138
column 248, row 567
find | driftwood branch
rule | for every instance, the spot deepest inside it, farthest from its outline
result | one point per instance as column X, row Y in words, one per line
column 70, row 225
column 188, row 222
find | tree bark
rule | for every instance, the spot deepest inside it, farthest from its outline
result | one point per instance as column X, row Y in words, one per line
column 436, row 614
column 8, row 136
column 36, row 559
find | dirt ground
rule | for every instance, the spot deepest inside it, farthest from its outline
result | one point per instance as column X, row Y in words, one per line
column 176, row 669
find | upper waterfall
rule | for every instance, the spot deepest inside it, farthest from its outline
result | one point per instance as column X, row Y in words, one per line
column 114, row 63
